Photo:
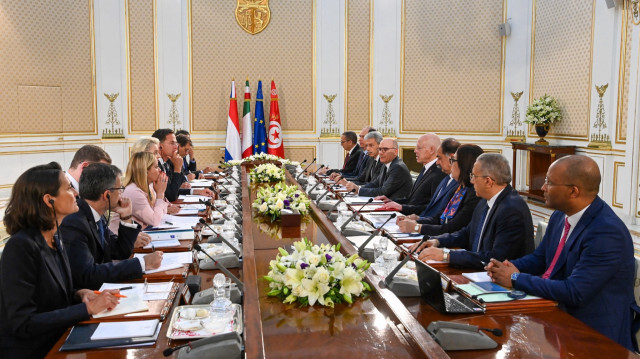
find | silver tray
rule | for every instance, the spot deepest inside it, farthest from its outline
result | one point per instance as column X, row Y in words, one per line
column 173, row 333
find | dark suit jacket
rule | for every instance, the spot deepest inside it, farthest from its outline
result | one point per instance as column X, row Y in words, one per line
column 363, row 160
column 508, row 233
column 37, row 302
column 370, row 172
column 91, row 264
column 437, row 204
column 431, row 226
column 175, row 180
column 395, row 184
column 422, row 191
column 593, row 277
column 351, row 164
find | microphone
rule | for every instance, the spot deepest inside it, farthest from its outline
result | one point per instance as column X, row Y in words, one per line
column 495, row 331
column 387, row 280
column 337, row 203
column 221, row 267
column 344, row 225
column 312, row 162
column 361, row 249
column 235, row 250
column 317, row 169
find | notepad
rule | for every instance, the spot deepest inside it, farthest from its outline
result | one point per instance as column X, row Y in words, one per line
column 477, row 276
column 131, row 304
column 162, row 244
column 129, row 329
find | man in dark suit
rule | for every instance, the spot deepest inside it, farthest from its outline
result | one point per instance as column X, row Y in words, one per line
column 394, row 181
column 349, row 142
column 585, row 261
column 171, row 164
column 364, row 157
column 185, row 149
column 424, row 188
column 83, row 157
column 373, row 166
column 501, row 225
column 91, row 246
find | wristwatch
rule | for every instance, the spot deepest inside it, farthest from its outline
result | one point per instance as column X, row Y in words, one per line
column 445, row 254
column 514, row 277
column 417, row 228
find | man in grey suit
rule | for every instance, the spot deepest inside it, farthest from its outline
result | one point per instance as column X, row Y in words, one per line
column 373, row 165
column 394, row 181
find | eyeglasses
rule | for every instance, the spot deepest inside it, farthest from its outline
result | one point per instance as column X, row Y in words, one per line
column 549, row 184
column 472, row 176
column 452, row 160
column 385, row 149
column 121, row 188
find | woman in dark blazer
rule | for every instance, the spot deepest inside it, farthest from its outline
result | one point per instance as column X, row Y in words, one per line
column 459, row 210
column 37, row 299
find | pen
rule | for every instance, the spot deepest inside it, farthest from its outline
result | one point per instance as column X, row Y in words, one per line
column 169, row 223
column 126, row 288
column 115, row 295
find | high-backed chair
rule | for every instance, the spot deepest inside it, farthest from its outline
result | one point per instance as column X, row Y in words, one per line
column 542, row 227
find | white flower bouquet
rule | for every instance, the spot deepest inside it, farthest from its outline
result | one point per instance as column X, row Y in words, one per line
column 313, row 273
column 543, row 111
column 267, row 172
column 231, row 163
column 270, row 201
column 261, row 157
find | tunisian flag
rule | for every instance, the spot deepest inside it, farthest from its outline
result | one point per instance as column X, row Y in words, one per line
column 274, row 142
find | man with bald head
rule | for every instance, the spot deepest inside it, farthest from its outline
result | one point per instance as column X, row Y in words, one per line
column 428, row 180
column 585, row 260
column 394, row 180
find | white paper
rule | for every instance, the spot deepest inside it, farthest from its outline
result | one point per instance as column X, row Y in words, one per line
column 131, row 304
column 159, row 287
column 378, row 218
column 193, row 198
column 201, row 183
column 164, row 267
column 162, row 244
column 477, row 276
column 193, row 206
column 188, row 211
column 173, row 258
column 167, row 235
column 129, row 329
column 359, row 199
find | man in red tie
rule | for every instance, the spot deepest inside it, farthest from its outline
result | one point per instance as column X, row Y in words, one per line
column 585, row 260
column 349, row 142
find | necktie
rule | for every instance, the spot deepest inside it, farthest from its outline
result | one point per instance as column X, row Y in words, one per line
column 563, row 240
column 384, row 175
column 478, row 233
column 346, row 159
column 417, row 182
column 373, row 171
column 102, row 225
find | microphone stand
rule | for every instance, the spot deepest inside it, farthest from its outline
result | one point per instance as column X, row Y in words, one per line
column 361, row 249
column 337, row 203
column 344, row 225
column 221, row 267
column 235, row 250
column 387, row 280
column 309, row 165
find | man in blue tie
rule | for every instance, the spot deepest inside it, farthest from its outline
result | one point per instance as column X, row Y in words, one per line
column 501, row 225
column 585, row 261
column 97, row 255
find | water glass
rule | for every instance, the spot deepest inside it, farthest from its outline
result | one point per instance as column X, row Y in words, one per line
column 220, row 305
column 227, row 288
column 229, row 225
column 378, row 250
column 389, row 260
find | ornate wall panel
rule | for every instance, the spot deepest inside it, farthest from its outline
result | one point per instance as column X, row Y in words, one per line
column 561, row 61
column 624, row 76
column 142, row 78
column 453, row 67
column 283, row 51
column 300, row 153
column 207, row 155
column 47, row 49
column 358, row 102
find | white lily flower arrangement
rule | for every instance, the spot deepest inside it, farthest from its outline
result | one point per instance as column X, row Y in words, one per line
column 261, row 157
column 543, row 111
column 270, row 201
column 313, row 274
column 267, row 172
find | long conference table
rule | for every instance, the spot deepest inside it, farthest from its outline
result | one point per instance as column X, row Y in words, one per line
column 380, row 325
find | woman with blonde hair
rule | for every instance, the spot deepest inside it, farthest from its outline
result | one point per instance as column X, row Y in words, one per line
column 146, row 144
column 148, row 203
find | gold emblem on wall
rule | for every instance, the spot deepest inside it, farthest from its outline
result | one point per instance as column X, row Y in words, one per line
column 253, row 15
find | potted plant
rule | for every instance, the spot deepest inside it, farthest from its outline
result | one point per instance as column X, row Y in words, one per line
column 541, row 113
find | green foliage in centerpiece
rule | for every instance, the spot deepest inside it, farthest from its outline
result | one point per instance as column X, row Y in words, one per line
column 316, row 274
column 543, row 111
column 267, row 172
column 270, row 201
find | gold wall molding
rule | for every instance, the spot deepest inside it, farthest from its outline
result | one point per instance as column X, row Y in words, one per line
column 586, row 90
column 359, row 101
column 622, row 113
column 614, row 196
column 495, row 124
column 298, row 121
